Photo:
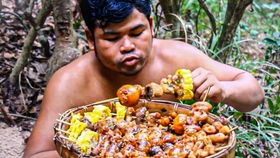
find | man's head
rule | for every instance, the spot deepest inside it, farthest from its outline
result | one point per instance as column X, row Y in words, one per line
column 97, row 13
column 121, row 33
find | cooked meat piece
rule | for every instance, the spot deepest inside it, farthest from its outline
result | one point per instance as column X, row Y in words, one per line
column 169, row 138
column 153, row 90
column 143, row 145
column 209, row 129
column 202, row 106
column 155, row 150
column 225, row 130
column 218, row 138
column 152, row 119
column 140, row 114
column 155, row 137
column 165, row 120
column 99, row 147
column 112, row 149
column 167, row 146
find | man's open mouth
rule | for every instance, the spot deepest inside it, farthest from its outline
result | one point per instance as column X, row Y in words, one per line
column 130, row 61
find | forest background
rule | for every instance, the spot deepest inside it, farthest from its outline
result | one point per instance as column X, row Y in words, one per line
column 39, row 36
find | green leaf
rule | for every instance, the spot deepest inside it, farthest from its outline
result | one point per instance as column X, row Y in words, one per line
column 270, row 41
column 278, row 102
column 270, row 105
column 243, row 26
column 272, row 71
column 189, row 102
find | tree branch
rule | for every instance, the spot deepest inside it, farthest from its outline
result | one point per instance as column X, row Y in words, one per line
column 211, row 18
column 28, row 13
column 196, row 20
column 209, row 14
column 22, row 60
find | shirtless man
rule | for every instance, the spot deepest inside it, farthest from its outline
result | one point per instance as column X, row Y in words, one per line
column 126, row 53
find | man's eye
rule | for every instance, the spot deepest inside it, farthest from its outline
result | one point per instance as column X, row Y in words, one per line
column 112, row 39
column 136, row 34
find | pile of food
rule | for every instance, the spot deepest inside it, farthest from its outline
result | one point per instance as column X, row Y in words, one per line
column 134, row 127
column 142, row 132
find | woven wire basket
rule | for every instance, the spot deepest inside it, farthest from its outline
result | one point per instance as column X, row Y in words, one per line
column 65, row 149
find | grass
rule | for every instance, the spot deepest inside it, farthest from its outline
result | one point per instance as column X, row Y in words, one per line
column 258, row 134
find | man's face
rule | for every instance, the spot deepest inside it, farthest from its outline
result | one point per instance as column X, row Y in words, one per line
column 124, row 47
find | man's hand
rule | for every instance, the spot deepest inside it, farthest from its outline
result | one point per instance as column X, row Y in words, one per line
column 202, row 79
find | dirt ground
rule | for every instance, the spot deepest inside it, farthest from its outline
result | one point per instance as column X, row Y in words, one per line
column 11, row 142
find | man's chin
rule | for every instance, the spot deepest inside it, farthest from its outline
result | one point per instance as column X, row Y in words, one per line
column 131, row 72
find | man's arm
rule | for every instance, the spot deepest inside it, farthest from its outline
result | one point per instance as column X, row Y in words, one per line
column 241, row 91
column 229, row 85
column 244, row 93
column 56, row 100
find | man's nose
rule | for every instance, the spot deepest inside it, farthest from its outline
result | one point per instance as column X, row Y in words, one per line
column 127, row 45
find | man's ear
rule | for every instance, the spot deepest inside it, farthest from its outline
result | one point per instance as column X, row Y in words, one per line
column 90, row 40
column 151, row 26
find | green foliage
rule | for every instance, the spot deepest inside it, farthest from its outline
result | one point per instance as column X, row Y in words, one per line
column 77, row 23
column 189, row 102
column 274, row 103
column 273, row 46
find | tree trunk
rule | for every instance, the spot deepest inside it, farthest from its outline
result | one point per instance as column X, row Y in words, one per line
column 66, row 41
column 28, row 42
column 170, row 7
column 234, row 13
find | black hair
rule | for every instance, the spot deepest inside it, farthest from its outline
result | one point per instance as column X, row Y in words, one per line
column 97, row 13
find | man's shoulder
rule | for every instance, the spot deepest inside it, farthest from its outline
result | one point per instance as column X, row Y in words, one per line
column 172, row 43
column 72, row 83
column 74, row 73
column 82, row 63
column 174, row 47
column 181, row 53
column 175, row 50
